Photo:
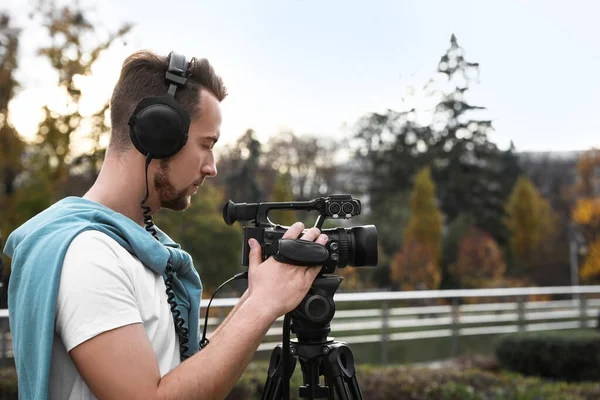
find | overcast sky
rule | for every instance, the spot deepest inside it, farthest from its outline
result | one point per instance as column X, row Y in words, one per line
column 316, row 66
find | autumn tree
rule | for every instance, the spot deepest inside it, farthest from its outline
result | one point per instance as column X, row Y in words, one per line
column 591, row 267
column 453, row 236
column 479, row 262
column 555, row 178
column 11, row 145
column 532, row 222
column 586, row 212
column 71, row 56
column 417, row 264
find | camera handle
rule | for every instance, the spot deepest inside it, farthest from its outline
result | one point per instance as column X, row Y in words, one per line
column 300, row 252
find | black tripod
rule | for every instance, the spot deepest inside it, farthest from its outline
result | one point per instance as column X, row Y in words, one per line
column 319, row 355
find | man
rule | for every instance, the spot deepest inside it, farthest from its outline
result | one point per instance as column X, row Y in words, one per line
column 112, row 332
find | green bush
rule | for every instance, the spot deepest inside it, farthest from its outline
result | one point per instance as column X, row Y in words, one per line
column 412, row 383
column 561, row 356
column 406, row 383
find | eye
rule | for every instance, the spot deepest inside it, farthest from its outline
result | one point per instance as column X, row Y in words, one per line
column 207, row 145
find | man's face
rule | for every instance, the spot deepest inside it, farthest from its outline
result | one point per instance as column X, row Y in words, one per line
column 179, row 177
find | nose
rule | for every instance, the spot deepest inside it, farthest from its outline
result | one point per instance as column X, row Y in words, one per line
column 209, row 168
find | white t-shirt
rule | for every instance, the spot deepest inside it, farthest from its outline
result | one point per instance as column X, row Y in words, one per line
column 103, row 287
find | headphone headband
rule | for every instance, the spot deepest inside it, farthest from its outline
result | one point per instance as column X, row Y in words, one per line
column 176, row 74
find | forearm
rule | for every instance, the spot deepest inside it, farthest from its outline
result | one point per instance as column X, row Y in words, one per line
column 214, row 371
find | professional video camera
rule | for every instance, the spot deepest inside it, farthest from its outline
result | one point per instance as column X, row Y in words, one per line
column 356, row 246
column 319, row 354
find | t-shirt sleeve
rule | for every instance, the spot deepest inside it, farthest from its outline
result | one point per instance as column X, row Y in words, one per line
column 96, row 294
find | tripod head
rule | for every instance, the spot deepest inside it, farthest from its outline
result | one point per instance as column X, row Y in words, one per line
column 310, row 320
column 319, row 355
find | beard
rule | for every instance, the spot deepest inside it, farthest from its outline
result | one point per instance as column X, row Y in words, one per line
column 167, row 194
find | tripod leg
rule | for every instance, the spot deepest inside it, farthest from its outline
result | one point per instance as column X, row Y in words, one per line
column 311, row 372
column 272, row 389
column 339, row 368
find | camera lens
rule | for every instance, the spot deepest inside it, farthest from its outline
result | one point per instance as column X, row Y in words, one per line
column 365, row 246
column 357, row 245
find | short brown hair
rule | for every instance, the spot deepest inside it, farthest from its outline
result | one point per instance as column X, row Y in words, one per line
column 143, row 75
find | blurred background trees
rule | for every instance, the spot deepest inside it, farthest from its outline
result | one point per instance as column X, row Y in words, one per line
column 452, row 209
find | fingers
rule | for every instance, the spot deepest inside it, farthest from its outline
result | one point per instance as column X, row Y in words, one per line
column 294, row 232
column 255, row 256
column 322, row 239
column 311, row 234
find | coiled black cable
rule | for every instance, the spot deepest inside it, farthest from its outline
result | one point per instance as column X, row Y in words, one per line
column 148, row 222
column 181, row 331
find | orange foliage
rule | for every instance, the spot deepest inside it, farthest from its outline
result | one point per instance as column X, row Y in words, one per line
column 479, row 260
column 588, row 162
column 586, row 212
column 591, row 267
column 415, row 268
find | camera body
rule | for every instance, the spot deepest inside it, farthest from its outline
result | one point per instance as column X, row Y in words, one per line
column 356, row 246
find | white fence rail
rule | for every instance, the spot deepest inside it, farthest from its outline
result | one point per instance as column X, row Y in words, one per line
column 385, row 317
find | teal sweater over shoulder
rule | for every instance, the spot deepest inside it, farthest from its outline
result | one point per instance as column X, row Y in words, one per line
column 37, row 249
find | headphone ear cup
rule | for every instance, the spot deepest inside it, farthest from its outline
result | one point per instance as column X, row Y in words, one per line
column 159, row 127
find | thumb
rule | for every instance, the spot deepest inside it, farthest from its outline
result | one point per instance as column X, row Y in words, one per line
column 255, row 252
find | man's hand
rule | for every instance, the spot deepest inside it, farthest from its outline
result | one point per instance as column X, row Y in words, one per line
column 277, row 286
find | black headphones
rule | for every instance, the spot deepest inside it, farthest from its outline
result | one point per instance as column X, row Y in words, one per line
column 159, row 125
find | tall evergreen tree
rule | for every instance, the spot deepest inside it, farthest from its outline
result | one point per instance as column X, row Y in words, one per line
column 417, row 264
column 472, row 174
column 391, row 146
column 531, row 221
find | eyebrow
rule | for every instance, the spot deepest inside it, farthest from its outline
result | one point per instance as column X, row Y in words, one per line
column 213, row 138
